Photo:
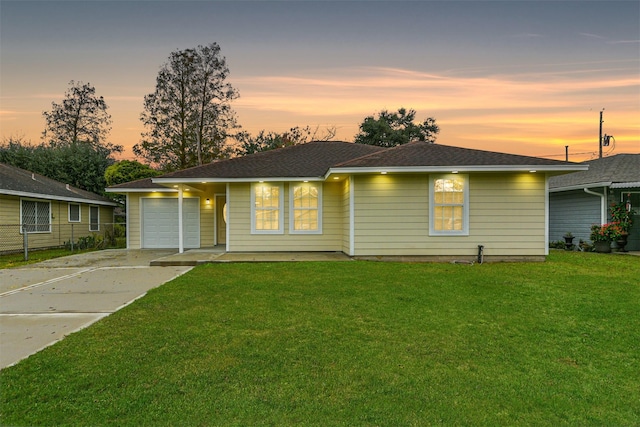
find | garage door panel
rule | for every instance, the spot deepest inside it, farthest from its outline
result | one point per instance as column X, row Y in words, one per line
column 160, row 223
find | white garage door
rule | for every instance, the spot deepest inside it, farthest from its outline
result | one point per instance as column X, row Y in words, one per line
column 160, row 223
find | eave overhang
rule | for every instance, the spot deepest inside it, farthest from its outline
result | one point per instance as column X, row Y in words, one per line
column 580, row 186
column 459, row 169
column 57, row 198
column 635, row 184
column 173, row 181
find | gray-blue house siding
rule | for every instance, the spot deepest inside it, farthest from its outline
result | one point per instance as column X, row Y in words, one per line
column 613, row 179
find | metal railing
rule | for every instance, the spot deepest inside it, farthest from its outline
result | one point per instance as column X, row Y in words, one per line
column 15, row 238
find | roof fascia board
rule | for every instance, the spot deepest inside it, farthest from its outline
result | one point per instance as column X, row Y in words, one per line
column 164, row 181
column 140, row 190
column 631, row 184
column 449, row 169
column 579, row 187
column 58, row 198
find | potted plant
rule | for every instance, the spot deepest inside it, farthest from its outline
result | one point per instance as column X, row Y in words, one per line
column 622, row 214
column 568, row 240
column 603, row 235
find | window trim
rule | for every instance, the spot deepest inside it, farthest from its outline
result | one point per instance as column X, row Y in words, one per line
column 79, row 213
column 292, row 209
column 36, row 223
column 280, row 229
column 465, row 206
column 91, row 224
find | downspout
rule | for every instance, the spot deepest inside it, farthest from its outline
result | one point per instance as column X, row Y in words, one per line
column 603, row 204
column 180, row 231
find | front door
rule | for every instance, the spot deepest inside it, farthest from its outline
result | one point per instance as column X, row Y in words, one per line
column 221, row 220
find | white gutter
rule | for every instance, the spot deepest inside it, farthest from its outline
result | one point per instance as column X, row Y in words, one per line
column 225, row 180
column 580, row 186
column 454, row 168
column 141, row 190
column 635, row 184
column 58, row 198
column 603, row 204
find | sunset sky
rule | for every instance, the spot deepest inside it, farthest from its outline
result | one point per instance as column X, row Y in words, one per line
column 513, row 76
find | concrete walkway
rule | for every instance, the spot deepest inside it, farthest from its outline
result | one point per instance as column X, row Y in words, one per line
column 42, row 303
column 215, row 255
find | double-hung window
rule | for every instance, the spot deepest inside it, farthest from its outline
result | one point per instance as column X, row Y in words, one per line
column 36, row 216
column 305, row 201
column 266, row 208
column 449, row 205
column 94, row 218
column 74, row 212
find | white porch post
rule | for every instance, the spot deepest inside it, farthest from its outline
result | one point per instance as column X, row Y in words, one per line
column 546, row 214
column 352, row 216
column 228, row 199
column 180, row 233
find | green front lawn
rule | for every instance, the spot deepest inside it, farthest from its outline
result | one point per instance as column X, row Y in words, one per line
column 355, row 343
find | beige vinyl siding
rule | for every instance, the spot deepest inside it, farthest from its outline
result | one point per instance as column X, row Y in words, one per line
column 207, row 212
column 9, row 210
column 61, row 230
column 506, row 215
column 346, row 191
column 241, row 239
column 134, row 220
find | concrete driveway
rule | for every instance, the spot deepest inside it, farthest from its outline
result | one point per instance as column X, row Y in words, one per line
column 42, row 303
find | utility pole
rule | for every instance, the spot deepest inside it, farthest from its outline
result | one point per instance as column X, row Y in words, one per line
column 600, row 136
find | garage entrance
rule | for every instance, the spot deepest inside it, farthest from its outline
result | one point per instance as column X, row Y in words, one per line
column 160, row 223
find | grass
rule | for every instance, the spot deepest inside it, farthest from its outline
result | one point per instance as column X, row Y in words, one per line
column 357, row 343
column 17, row 259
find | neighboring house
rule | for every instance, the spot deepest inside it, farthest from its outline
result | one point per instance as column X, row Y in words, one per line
column 48, row 210
column 581, row 199
column 418, row 200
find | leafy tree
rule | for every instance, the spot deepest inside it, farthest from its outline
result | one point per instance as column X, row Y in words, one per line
column 188, row 117
column 264, row 141
column 79, row 164
column 128, row 170
column 393, row 129
column 80, row 117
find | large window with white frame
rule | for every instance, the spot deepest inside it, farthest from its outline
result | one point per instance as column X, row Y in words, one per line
column 35, row 216
column 449, row 205
column 266, row 208
column 305, row 208
column 74, row 212
column 94, row 218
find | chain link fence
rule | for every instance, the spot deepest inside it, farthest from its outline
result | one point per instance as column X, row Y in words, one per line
column 15, row 238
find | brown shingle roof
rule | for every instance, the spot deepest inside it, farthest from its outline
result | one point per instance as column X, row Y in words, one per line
column 423, row 154
column 305, row 160
column 144, row 183
column 314, row 159
column 621, row 168
column 19, row 182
